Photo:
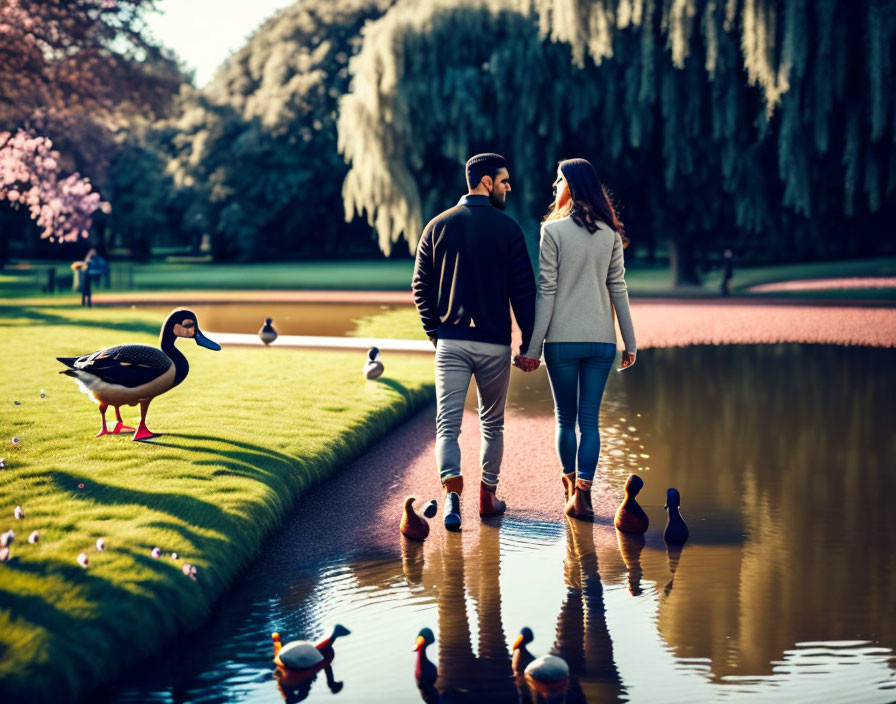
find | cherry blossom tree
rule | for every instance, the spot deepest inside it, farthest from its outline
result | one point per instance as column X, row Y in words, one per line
column 74, row 74
column 30, row 177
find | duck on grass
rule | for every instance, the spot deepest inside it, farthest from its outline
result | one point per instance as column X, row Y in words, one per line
column 132, row 374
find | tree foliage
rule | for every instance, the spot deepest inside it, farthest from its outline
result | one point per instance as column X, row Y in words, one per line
column 255, row 151
column 765, row 124
column 73, row 69
column 30, row 178
column 73, row 74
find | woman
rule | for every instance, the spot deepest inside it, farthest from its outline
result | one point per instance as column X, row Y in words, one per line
column 581, row 275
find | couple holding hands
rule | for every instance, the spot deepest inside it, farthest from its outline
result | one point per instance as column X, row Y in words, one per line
column 471, row 262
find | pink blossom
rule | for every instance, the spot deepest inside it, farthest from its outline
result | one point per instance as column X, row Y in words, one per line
column 62, row 207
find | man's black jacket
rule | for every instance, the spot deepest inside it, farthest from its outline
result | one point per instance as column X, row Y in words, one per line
column 472, row 261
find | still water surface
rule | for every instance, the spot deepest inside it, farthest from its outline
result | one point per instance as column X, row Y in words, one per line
column 327, row 319
column 786, row 591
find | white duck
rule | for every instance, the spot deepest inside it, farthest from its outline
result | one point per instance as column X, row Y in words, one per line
column 373, row 368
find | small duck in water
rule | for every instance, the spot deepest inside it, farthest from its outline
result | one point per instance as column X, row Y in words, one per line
column 425, row 672
column 521, row 657
column 412, row 525
column 298, row 662
column 126, row 375
column 267, row 332
column 676, row 529
column 373, row 368
column 630, row 517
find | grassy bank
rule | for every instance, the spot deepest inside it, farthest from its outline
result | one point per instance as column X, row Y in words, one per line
column 395, row 275
column 245, row 434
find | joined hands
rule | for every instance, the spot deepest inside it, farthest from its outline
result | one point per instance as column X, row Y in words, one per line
column 527, row 364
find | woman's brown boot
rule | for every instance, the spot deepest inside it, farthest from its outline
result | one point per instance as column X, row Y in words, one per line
column 579, row 504
column 569, row 481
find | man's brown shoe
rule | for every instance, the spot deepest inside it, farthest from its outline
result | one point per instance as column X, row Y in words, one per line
column 489, row 503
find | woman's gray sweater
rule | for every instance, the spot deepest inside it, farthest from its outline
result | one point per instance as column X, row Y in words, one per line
column 579, row 275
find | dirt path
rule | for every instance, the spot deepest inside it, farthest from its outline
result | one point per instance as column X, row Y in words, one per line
column 677, row 323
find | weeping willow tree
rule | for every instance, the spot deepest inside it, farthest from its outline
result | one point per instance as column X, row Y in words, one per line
column 768, row 126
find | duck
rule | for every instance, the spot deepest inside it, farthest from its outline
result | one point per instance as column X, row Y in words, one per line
column 132, row 374
column 373, row 368
column 548, row 677
column 630, row 517
column 412, row 525
column 676, row 529
column 267, row 332
column 425, row 672
column 521, row 655
column 300, row 660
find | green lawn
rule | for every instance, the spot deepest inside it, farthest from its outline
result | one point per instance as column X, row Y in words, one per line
column 395, row 274
column 245, row 434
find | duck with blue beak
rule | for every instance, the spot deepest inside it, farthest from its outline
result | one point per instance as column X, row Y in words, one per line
column 126, row 375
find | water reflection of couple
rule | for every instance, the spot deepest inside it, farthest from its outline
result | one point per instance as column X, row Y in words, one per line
column 471, row 261
column 582, row 637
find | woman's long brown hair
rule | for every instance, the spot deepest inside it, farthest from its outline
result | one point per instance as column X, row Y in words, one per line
column 588, row 202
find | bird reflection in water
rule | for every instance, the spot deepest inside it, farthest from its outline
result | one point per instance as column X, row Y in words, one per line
column 673, row 554
column 294, row 691
column 630, row 547
column 412, row 562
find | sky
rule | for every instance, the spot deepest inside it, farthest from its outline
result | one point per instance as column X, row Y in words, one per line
column 205, row 32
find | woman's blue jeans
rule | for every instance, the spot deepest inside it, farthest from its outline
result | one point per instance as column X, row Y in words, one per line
column 578, row 372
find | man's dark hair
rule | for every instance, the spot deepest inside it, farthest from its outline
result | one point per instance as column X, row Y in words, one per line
column 483, row 165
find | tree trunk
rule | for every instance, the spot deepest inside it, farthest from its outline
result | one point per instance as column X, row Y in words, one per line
column 683, row 263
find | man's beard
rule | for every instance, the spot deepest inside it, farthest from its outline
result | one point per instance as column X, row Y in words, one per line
column 499, row 204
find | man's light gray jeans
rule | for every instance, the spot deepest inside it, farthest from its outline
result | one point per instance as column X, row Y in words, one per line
column 489, row 364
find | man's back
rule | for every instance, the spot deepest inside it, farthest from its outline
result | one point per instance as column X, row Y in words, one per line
column 471, row 261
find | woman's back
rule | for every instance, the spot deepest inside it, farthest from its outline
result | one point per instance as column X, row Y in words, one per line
column 581, row 279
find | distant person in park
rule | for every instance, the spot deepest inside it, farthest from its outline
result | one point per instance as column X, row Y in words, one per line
column 727, row 271
column 95, row 267
column 472, row 266
column 581, row 282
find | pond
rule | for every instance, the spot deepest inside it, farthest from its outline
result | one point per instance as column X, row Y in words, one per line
column 325, row 319
column 785, row 591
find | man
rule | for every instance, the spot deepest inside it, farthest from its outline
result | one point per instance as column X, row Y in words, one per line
column 472, row 262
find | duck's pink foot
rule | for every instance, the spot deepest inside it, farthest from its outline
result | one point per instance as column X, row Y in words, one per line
column 143, row 433
column 103, row 431
column 122, row 428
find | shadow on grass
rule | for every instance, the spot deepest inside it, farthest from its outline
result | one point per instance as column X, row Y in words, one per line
column 243, row 452
column 44, row 317
column 396, row 386
column 177, row 505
